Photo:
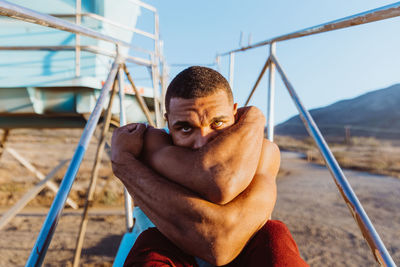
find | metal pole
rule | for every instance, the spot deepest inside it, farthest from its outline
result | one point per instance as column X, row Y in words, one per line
column 28, row 196
column 271, row 96
column 78, row 12
column 108, row 21
column 360, row 216
column 144, row 5
column 49, row 226
column 218, row 62
column 139, row 97
column 122, row 122
column 154, row 74
column 163, row 86
column 347, row 139
column 381, row 13
column 87, row 48
column 265, row 67
column 93, row 180
column 163, row 79
column 22, row 13
column 157, row 36
column 231, row 69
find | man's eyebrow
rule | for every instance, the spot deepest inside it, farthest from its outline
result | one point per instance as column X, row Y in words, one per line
column 182, row 124
column 220, row 118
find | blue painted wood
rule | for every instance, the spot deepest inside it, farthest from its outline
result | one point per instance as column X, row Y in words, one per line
column 44, row 82
column 49, row 68
column 57, row 101
column 142, row 223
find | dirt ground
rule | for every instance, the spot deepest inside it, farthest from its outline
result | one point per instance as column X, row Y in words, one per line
column 104, row 233
column 45, row 149
column 308, row 202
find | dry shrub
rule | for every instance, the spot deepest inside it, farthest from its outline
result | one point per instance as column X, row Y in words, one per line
column 362, row 153
column 365, row 141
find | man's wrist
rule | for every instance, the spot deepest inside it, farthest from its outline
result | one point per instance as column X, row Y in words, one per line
column 123, row 158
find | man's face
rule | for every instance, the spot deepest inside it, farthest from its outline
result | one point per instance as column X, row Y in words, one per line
column 194, row 122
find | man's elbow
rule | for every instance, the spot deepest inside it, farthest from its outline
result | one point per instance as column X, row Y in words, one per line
column 225, row 247
column 218, row 199
column 214, row 196
column 221, row 194
column 219, row 253
column 220, row 258
column 216, row 237
column 116, row 168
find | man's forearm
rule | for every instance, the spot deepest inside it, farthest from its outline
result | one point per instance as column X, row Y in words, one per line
column 220, row 170
column 201, row 228
column 178, row 213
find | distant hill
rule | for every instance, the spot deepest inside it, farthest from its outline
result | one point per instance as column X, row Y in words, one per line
column 376, row 114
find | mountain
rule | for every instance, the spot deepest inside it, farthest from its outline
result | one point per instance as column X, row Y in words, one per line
column 376, row 114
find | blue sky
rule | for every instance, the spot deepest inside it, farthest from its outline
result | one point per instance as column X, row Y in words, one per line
column 323, row 68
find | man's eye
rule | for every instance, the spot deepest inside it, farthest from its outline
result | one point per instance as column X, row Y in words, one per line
column 186, row 129
column 217, row 124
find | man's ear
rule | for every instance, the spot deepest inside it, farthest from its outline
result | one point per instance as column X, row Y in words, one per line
column 166, row 118
column 235, row 109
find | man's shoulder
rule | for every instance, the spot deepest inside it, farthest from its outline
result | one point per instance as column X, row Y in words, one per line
column 270, row 158
column 271, row 147
column 155, row 132
column 156, row 135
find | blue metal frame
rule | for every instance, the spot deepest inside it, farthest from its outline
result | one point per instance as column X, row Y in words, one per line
column 122, row 122
column 381, row 13
column 49, row 226
column 360, row 216
column 389, row 11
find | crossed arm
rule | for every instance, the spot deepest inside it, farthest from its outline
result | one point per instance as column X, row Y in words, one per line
column 214, row 232
column 220, row 170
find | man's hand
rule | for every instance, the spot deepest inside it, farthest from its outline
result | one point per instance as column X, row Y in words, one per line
column 250, row 114
column 127, row 141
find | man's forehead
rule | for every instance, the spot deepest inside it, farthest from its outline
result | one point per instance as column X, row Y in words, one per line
column 198, row 109
column 190, row 112
column 219, row 99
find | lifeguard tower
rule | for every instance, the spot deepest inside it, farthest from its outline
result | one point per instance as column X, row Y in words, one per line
column 51, row 78
column 66, row 75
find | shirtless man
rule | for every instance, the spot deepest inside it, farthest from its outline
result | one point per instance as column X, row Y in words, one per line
column 209, row 185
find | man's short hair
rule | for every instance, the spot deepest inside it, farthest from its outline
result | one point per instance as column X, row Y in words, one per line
column 196, row 82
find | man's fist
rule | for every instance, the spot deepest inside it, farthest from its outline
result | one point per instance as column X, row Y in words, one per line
column 127, row 140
